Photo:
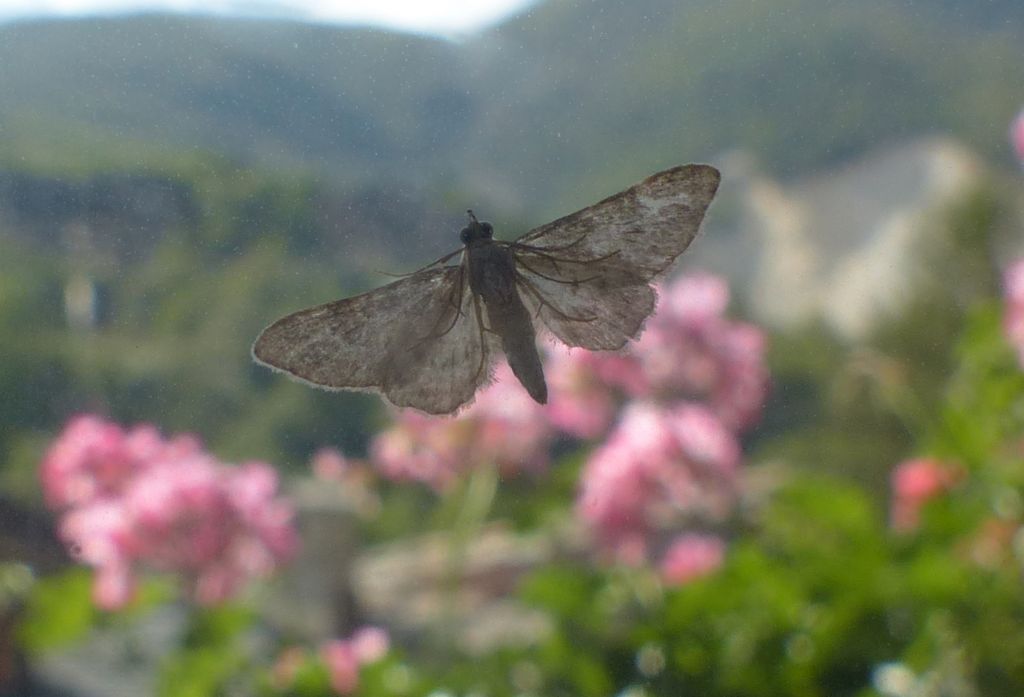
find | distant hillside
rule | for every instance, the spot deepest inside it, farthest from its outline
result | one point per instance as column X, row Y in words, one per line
column 355, row 102
column 552, row 109
column 123, row 217
column 612, row 90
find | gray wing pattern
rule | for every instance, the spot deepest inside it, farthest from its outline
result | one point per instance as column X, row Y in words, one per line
column 417, row 341
column 587, row 276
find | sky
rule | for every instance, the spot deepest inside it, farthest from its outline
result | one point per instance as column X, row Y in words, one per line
column 445, row 17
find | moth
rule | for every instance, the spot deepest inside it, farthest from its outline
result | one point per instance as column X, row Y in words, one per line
column 429, row 340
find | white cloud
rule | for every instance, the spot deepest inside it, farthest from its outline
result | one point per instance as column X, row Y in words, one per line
column 433, row 16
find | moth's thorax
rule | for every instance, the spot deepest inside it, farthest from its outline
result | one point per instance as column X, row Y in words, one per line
column 492, row 271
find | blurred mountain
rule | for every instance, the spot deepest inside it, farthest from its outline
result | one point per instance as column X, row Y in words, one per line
column 547, row 112
column 849, row 246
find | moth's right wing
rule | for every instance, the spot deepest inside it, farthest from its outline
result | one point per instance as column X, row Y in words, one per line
column 418, row 341
column 587, row 276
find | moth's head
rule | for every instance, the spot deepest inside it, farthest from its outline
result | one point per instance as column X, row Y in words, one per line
column 476, row 230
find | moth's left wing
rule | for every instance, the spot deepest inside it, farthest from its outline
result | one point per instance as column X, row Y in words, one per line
column 418, row 341
column 587, row 276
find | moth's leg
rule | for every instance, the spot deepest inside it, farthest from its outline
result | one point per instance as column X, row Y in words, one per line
column 443, row 259
column 534, row 271
column 536, row 296
column 544, row 302
column 451, row 325
column 554, row 259
column 456, row 292
column 524, row 245
column 461, row 290
column 432, row 264
column 483, row 345
column 488, row 329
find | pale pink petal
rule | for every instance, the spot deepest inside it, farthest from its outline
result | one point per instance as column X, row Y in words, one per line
column 695, row 298
column 914, row 483
column 87, row 460
column 1017, row 136
column 691, row 556
column 250, row 487
column 342, row 665
column 330, row 464
column 287, row 666
column 704, row 440
column 1013, row 313
column 580, row 402
column 920, row 479
column 113, row 587
column 370, row 644
column 99, row 533
column 217, row 583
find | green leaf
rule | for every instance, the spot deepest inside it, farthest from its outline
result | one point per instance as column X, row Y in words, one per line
column 59, row 611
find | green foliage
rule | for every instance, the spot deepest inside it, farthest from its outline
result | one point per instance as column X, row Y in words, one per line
column 818, row 596
column 59, row 611
column 212, row 656
column 856, row 410
column 176, row 318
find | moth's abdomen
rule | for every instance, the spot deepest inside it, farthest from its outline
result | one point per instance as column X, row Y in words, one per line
column 492, row 276
column 511, row 321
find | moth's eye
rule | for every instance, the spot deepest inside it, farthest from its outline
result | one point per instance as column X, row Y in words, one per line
column 488, row 229
column 464, row 235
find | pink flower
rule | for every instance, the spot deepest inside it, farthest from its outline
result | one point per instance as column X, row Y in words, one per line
column 98, row 533
column 287, row 666
column 114, row 587
column 1017, row 136
column 658, row 468
column 370, row 644
column 691, row 350
column 131, row 500
column 342, row 665
column 695, row 299
column 688, row 350
column 330, row 464
column 914, row 483
column 1013, row 314
column 95, row 458
column 177, row 513
column 344, row 657
column 504, row 426
column 581, row 400
column 691, row 556
column 217, row 526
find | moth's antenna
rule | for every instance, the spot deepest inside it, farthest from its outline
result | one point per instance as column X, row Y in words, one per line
column 472, row 218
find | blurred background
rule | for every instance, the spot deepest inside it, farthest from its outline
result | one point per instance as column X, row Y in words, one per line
column 806, row 478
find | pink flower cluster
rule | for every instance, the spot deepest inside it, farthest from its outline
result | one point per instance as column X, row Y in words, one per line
column 352, row 479
column 130, row 499
column 681, row 393
column 689, row 350
column 1013, row 314
column 691, row 382
column 344, row 657
column 1017, row 136
column 659, row 467
column 504, row 426
column 914, row 483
